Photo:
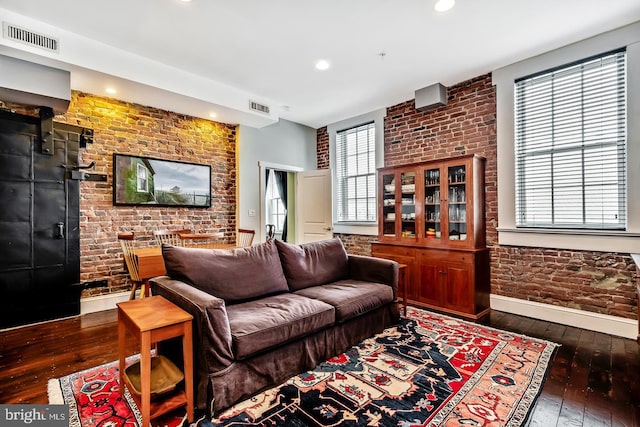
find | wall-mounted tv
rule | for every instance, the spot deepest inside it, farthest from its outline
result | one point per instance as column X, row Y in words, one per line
column 144, row 181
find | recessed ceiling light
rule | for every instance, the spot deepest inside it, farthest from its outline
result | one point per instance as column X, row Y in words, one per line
column 322, row 65
column 213, row 115
column 111, row 91
column 443, row 5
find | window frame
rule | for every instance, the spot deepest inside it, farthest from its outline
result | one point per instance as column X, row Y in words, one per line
column 342, row 181
column 548, row 140
column 377, row 117
column 579, row 239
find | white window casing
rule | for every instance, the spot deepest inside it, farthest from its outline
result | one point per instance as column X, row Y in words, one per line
column 609, row 240
column 377, row 118
column 570, row 143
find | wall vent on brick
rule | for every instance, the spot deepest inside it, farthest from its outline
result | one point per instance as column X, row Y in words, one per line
column 261, row 108
column 12, row 32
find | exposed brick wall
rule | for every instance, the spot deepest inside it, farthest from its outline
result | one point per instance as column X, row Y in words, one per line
column 591, row 281
column 357, row 244
column 126, row 128
column 585, row 280
column 323, row 148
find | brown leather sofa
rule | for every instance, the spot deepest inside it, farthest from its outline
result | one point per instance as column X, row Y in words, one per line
column 270, row 311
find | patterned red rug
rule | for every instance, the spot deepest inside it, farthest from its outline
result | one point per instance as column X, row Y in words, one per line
column 94, row 400
column 431, row 370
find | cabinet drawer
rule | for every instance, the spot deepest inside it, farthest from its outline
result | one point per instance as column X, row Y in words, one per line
column 445, row 256
column 383, row 251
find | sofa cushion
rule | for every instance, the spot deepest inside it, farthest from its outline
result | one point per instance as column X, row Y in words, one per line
column 350, row 298
column 312, row 264
column 272, row 321
column 231, row 274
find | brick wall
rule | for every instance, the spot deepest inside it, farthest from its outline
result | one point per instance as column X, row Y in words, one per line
column 590, row 281
column 323, row 148
column 357, row 244
column 126, row 128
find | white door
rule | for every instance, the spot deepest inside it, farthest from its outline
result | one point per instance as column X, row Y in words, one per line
column 313, row 204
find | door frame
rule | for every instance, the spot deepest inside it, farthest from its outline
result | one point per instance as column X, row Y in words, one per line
column 262, row 167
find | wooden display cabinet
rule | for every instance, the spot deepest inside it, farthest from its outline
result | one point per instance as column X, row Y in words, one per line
column 432, row 218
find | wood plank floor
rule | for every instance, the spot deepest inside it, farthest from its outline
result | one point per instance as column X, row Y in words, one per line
column 594, row 379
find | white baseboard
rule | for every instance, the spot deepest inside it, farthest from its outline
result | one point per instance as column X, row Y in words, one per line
column 102, row 302
column 613, row 325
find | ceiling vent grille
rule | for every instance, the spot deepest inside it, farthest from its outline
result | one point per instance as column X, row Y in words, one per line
column 30, row 38
column 255, row 106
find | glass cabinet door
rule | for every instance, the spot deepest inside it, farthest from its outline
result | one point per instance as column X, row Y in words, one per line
column 408, row 204
column 432, row 204
column 389, row 205
column 457, row 197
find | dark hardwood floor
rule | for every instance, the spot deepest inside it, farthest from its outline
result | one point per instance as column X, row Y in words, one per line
column 594, row 379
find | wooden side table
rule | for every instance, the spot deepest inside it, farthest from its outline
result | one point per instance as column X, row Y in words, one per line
column 152, row 320
column 402, row 270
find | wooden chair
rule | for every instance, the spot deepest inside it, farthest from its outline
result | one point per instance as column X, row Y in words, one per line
column 127, row 243
column 171, row 237
column 245, row 237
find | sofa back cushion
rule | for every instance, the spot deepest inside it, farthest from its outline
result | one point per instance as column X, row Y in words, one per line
column 312, row 264
column 234, row 275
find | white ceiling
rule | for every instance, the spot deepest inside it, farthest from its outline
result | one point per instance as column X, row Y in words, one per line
column 208, row 55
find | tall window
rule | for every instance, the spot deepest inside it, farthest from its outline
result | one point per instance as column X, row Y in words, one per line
column 356, row 174
column 276, row 212
column 570, row 142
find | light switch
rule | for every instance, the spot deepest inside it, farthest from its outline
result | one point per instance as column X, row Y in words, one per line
column 252, row 212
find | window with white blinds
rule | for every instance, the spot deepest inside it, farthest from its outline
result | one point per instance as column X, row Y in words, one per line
column 356, row 174
column 570, row 145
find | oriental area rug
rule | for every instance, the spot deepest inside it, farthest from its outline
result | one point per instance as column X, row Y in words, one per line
column 430, row 370
column 94, row 400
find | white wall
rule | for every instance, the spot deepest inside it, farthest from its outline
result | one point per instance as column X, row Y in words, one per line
column 283, row 143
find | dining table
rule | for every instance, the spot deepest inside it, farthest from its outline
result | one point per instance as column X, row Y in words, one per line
column 151, row 263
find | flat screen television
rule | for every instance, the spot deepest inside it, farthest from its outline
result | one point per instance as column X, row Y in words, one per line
column 145, row 181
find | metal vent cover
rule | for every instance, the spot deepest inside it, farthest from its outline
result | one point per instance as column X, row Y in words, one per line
column 22, row 35
column 255, row 106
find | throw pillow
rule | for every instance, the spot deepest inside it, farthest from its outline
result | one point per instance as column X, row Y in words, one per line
column 231, row 274
column 312, row 264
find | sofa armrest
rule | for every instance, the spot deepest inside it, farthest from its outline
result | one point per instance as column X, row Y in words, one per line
column 212, row 333
column 370, row 269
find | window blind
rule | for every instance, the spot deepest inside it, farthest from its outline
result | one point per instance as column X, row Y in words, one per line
column 570, row 137
column 356, row 174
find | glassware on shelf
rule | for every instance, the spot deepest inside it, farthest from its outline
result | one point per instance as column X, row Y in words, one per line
column 432, row 177
column 457, row 175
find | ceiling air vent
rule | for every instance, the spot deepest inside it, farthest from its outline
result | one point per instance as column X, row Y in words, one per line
column 21, row 35
column 253, row 105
